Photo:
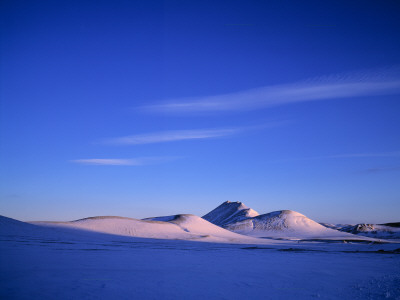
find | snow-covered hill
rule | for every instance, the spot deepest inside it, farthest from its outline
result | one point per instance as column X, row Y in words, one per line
column 125, row 227
column 242, row 225
column 380, row 231
column 198, row 226
column 10, row 226
column 284, row 224
column 182, row 227
column 230, row 212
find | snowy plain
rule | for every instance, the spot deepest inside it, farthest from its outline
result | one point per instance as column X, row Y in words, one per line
column 54, row 261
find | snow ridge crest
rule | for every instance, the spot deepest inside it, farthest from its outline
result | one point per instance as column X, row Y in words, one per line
column 230, row 212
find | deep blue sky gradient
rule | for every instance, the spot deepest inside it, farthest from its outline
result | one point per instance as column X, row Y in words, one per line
column 75, row 74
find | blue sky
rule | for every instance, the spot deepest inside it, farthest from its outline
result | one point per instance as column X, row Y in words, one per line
column 145, row 108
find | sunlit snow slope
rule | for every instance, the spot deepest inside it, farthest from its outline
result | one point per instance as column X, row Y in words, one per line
column 198, row 226
column 285, row 224
column 183, row 227
column 230, row 212
column 126, row 227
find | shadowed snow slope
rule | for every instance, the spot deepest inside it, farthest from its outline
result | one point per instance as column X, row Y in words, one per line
column 230, row 212
column 10, row 226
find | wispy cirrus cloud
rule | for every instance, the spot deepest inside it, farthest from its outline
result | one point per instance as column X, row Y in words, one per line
column 322, row 88
column 382, row 169
column 182, row 135
column 173, row 135
column 344, row 155
column 360, row 155
column 123, row 162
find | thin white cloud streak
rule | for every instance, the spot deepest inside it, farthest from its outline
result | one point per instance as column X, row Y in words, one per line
column 173, row 135
column 360, row 155
column 382, row 169
column 334, row 87
column 182, row 135
column 123, row 162
column 108, row 162
column 345, row 155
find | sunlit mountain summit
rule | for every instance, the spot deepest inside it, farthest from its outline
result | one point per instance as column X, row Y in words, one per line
column 230, row 212
column 287, row 224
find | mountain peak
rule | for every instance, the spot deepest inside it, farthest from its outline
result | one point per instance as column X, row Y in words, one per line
column 229, row 212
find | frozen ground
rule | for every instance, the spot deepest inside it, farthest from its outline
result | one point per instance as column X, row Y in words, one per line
column 72, row 263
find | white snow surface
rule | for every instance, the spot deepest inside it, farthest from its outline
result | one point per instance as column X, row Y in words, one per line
column 183, row 227
column 199, row 226
column 380, row 231
column 280, row 225
column 49, row 261
column 230, row 212
column 127, row 227
column 286, row 224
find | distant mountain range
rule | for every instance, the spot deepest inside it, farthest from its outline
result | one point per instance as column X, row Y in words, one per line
column 380, row 231
column 231, row 222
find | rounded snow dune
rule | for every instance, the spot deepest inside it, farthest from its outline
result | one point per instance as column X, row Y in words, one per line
column 182, row 227
column 127, row 227
column 287, row 224
column 198, row 226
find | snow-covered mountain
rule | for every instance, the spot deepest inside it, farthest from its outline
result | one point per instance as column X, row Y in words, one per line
column 286, row 224
column 380, row 231
column 230, row 212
